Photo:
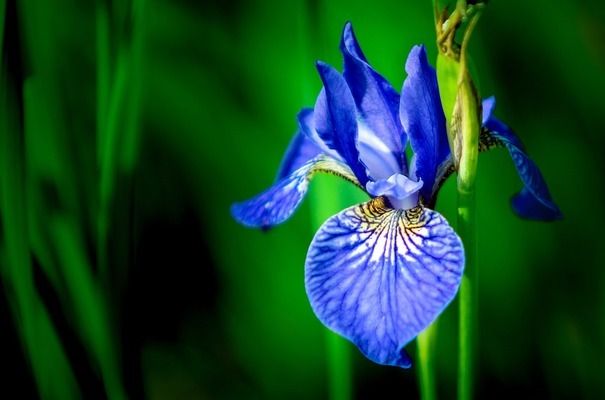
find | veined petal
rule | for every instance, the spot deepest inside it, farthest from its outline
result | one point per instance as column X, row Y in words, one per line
column 379, row 276
column 422, row 118
column 336, row 118
column 534, row 201
column 278, row 203
column 376, row 100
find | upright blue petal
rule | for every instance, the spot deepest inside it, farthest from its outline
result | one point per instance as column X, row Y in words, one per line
column 376, row 100
column 534, row 201
column 336, row 118
column 306, row 123
column 379, row 276
column 422, row 118
column 278, row 203
column 380, row 162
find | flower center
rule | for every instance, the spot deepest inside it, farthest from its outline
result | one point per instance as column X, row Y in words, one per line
column 401, row 191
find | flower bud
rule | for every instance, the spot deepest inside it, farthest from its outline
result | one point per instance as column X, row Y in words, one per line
column 459, row 98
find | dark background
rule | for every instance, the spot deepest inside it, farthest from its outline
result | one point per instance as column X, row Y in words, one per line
column 129, row 127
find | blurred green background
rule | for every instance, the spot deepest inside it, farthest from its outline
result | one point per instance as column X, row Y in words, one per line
column 129, row 127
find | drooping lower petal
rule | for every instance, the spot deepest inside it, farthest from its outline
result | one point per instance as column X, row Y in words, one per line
column 379, row 276
column 534, row 201
column 278, row 203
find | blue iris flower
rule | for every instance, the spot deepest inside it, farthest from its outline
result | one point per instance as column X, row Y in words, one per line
column 379, row 273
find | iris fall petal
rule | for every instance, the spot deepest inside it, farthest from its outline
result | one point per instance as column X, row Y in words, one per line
column 379, row 276
column 278, row 203
column 534, row 201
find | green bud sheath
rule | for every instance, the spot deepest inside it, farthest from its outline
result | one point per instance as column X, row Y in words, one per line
column 448, row 71
column 465, row 128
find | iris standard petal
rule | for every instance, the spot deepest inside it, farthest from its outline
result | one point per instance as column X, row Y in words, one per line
column 379, row 276
column 534, row 201
column 336, row 118
column 376, row 100
column 422, row 118
column 306, row 124
column 380, row 162
column 278, row 203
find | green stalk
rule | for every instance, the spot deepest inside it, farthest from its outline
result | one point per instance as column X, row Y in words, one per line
column 468, row 296
column 324, row 200
column 50, row 367
column 463, row 112
column 108, row 160
column 426, row 373
column 132, row 131
column 469, row 129
column 103, row 71
column 339, row 367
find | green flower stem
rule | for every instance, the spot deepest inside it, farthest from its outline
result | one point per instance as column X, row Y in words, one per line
column 426, row 373
column 470, row 127
column 463, row 114
column 339, row 367
column 468, row 296
column 325, row 199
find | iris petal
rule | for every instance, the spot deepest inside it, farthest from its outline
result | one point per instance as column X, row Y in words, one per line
column 534, row 201
column 401, row 191
column 376, row 100
column 379, row 276
column 379, row 160
column 422, row 118
column 278, row 203
column 300, row 150
column 336, row 118
column 487, row 108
